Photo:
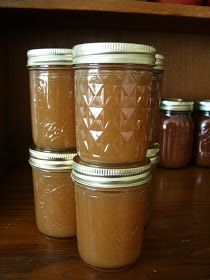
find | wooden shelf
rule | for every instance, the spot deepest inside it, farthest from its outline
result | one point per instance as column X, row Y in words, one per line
column 176, row 243
column 115, row 6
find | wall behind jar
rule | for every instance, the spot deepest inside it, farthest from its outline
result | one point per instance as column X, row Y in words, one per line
column 187, row 72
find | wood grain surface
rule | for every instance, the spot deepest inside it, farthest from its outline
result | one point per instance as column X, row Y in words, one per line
column 117, row 6
column 176, row 243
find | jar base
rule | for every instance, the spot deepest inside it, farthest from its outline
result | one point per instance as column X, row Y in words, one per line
column 117, row 269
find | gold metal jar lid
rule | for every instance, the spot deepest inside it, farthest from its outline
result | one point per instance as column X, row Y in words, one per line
column 176, row 104
column 110, row 177
column 45, row 159
column 159, row 62
column 37, row 57
column 153, row 151
column 154, row 160
column 203, row 105
column 115, row 53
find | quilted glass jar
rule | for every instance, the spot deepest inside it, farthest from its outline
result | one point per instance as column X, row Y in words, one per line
column 52, row 98
column 202, row 134
column 113, row 101
column 110, row 210
column 53, row 193
column 159, row 68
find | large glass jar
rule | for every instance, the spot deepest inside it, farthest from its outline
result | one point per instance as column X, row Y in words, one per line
column 53, row 193
column 52, row 98
column 176, row 132
column 202, row 133
column 110, row 210
column 155, row 101
column 113, row 101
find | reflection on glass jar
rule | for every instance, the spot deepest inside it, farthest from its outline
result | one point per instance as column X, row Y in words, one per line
column 113, row 101
column 202, row 134
column 110, row 213
column 53, row 193
column 52, row 98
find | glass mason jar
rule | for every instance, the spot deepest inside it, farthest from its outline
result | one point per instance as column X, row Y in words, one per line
column 110, row 210
column 176, row 132
column 202, row 134
column 154, row 163
column 113, row 101
column 53, row 193
column 52, row 98
column 155, row 101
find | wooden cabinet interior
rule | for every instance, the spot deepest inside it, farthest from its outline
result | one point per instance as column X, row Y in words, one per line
column 184, row 42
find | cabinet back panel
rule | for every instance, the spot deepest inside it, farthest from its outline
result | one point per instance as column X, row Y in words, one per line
column 187, row 72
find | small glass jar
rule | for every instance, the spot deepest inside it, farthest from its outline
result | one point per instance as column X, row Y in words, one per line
column 113, row 101
column 53, row 193
column 52, row 98
column 110, row 210
column 202, row 134
column 155, row 101
column 176, row 133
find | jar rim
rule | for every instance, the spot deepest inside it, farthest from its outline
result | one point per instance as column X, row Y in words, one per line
column 203, row 105
column 114, row 176
column 176, row 104
column 114, row 52
column 113, row 182
column 49, row 56
column 51, row 160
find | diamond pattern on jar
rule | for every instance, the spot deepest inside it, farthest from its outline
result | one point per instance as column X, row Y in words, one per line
column 112, row 114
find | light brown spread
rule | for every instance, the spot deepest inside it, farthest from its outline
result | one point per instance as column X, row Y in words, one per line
column 110, row 225
column 54, row 203
column 52, row 107
column 112, row 113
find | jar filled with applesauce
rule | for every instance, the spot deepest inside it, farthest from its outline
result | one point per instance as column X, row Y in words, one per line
column 52, row 98
column 110, row 210
column 53, row 193
column 176, row 132
column 155, row 101
column 113, row 84
column 202, row 133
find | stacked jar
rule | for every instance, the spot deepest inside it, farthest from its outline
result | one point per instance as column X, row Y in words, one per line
column 153, row 148
column 53, row 129
column 113, row 85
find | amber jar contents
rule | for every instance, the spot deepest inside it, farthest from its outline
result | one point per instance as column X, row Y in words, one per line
column 110, row 216
column 155, row 100
column 176, row 133
column 53, row 194
column 112, row 100
column 202, row 134
column 52, row 98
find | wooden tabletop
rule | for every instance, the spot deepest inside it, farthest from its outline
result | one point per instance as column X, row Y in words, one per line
column 176, row 244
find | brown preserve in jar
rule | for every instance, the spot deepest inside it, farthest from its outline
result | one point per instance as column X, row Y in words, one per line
column 52, row 98
column 176, row 133
column 112, row 100
column 110, row 211
column 53, row 193
column 202, row 134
